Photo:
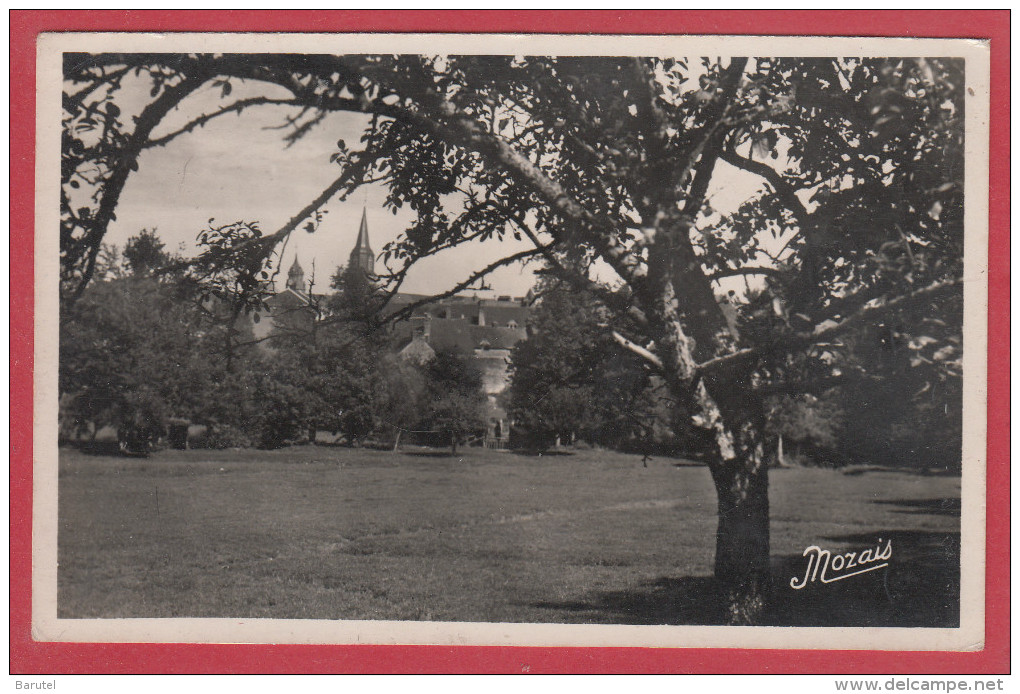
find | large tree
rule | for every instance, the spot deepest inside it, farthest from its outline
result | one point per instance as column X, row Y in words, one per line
column 608, row 164
column 454, row 397
column 570, row 379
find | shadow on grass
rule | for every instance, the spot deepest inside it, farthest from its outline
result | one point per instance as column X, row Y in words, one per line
column 110, row 449
column 688, row 600
column 919, row 588
column 688, row 462
column 431, row 454
column 937, row 507
column 534, row 453
column 858, row 470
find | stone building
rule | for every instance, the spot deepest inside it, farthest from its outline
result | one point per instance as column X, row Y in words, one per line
column 485, row 329
column 294, row 310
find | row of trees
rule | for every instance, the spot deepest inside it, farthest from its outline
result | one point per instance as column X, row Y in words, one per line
column 144, row 346
column 612, row 160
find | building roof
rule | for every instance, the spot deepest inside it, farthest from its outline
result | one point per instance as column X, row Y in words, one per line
column 289, row 297
column 418, row 351
column 460, row 336
column 498, row 313
column 503, row 314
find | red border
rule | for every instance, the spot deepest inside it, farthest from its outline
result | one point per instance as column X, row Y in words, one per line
column 28, row 656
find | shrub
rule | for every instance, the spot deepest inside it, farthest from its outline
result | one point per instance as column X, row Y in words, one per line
column 227, row 436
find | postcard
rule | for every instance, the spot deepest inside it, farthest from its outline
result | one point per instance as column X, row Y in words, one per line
column 511, row 340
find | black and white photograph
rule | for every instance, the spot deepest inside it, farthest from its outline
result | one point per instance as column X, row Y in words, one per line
column 511, row 340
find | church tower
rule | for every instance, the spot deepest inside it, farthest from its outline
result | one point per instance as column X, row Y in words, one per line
column 362, row 256
column 296, row 276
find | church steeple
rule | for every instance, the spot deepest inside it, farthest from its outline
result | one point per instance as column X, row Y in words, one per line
column 296, row 276
column 362, row 256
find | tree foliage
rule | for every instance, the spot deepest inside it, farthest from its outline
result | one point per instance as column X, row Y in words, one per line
column 145, row 252
column 454, row 396
column 134, row 349
column 571, row 381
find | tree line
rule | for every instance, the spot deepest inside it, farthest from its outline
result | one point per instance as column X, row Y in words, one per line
column 143, row 347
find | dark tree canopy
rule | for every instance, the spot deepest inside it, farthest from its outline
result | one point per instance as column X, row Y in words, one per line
column 145, row 252
column 571, row 380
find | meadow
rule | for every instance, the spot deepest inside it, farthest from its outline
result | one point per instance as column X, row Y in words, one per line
column 586, row 537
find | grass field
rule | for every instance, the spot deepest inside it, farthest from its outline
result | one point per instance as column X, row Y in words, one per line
column 593, row 537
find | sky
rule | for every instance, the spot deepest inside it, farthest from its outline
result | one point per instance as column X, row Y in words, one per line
column 238, row 167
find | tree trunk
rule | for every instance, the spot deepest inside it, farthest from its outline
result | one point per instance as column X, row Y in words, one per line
column 725, row 404
column 742, row 539
column 453, row 443
column 396, row 443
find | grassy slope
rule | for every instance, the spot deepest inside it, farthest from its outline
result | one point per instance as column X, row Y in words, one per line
column 316, row 532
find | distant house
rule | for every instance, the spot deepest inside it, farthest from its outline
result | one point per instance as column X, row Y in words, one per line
column 466, row 328
column 485, row 329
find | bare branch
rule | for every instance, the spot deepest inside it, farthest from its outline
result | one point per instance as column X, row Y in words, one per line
column 237, row 106
column 735, row 272
column 637, row 349
column 409, row 310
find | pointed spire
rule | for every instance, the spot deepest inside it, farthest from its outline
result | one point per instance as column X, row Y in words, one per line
column 362, row 256
column 296, row 276
column 363, row 231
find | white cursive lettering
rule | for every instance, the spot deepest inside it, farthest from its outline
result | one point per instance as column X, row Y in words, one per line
column 822, row 561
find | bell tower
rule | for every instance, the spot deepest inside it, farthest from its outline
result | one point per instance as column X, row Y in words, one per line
column 296, row 276
column 362, row 256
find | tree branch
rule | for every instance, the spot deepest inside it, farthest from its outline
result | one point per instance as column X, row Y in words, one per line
column 735, row 272
column 237, row 106
column 452, row 125
column 782, row 187
column 349, row 178
column 149, row 118
column 637, row 349
column 655, row 122
column 798, row 340
column 582, row 282
column 700, row 159
column 409, row 310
